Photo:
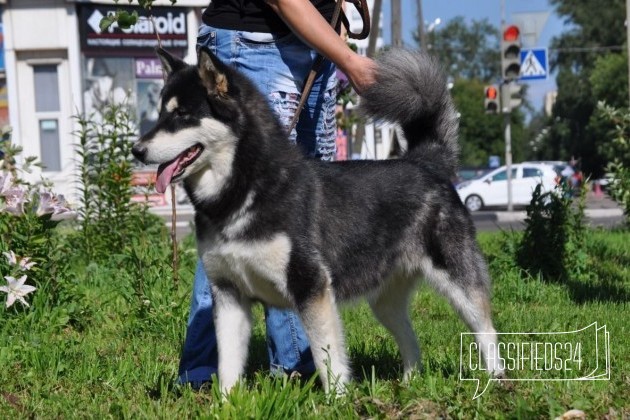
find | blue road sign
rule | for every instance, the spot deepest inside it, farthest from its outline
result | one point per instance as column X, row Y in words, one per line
column 534, row 64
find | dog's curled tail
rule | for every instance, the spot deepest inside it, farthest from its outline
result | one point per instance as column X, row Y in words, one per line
column 411, row 90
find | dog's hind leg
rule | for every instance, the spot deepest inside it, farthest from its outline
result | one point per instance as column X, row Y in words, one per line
column 323, row 327
column 232, row 319
column 391, row 308
column 464, row 281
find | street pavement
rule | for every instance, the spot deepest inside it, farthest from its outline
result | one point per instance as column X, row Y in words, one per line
column 600, row 211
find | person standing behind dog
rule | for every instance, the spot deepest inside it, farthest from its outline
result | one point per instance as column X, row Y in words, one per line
column 274, row 43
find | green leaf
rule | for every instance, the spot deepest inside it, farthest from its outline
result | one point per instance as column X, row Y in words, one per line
column 106, row 22
column 126, row 20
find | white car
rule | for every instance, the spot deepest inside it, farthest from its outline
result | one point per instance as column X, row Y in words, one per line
column 491, row 189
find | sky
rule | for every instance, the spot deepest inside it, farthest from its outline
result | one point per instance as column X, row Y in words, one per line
column 445, row 10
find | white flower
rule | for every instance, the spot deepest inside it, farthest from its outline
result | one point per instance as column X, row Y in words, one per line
column 56, row 206
column 14, row 200
column 63, row 213
column 6, row 179
column 16, row 289
column 46, row 204
column 24, row 263
column 11, row 258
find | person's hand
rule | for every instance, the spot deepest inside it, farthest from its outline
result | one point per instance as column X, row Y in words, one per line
column 361, row 72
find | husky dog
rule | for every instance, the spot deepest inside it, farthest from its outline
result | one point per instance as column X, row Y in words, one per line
column 275, row 227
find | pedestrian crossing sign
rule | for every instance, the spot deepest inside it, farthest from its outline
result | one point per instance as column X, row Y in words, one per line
column 534, row 64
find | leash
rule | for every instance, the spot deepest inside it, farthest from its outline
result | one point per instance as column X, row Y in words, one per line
column 364, row 12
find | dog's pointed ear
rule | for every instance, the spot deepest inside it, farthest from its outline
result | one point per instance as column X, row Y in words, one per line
column 170, row 64
column 212, row 73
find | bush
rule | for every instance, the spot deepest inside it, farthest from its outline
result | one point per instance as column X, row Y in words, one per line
column 28, row 238
column 619, row 147
column 109, row 220
column 552, row 244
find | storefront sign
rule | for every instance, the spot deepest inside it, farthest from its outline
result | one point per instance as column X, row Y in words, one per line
column 169, row 22
column 148, row 68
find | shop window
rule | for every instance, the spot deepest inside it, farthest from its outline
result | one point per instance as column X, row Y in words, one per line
column 109, row 81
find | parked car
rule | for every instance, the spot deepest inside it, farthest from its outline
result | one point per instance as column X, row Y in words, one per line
column 491, row 189
column 557, row 165
column 466, row 173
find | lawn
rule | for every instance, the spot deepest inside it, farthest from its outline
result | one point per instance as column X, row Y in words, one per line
column 108, row 346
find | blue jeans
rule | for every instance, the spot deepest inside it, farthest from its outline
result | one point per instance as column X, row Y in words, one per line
column 279, row 67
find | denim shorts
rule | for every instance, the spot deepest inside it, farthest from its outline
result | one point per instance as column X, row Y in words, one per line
column 279, row 66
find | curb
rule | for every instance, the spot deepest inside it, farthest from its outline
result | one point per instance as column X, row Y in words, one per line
column 166, row 210
column 496, row 216
column 519, row 216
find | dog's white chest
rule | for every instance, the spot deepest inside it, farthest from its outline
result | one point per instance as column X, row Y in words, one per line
column 257, row 268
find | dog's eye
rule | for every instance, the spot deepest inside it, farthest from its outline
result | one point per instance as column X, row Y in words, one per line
column 181, row 112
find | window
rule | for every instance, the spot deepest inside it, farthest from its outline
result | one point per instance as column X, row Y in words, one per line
column 47, row 107
column 46, row 88
column 532, row 173
column 502, row 176
column 49, row 145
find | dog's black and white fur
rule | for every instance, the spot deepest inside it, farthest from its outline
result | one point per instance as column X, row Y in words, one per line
column 275, row 227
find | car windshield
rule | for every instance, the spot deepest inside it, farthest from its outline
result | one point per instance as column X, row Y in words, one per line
column 502, row 175
column 466, row 174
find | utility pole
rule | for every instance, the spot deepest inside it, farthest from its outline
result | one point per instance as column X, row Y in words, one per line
column 508, row 158
column 396, row 30
column 359, row 135
column 508, row 129
column 374, row 30
column 422, row 36
column 396, row 24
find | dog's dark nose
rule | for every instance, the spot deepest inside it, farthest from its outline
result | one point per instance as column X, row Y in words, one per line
column 139, row 151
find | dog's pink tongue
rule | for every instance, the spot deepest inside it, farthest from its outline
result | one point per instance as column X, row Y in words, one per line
column 165, row 173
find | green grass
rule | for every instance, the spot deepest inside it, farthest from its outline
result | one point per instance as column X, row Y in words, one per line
column 105, row 349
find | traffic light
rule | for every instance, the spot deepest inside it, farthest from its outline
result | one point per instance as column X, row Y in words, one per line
column 511, row 53
column 511, row 96
column 491, row 99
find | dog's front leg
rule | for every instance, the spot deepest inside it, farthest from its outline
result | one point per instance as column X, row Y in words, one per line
column 233, row 322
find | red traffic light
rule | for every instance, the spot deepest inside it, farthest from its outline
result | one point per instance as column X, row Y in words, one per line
column 491, row 92
column 511, row 33
column 491, row 100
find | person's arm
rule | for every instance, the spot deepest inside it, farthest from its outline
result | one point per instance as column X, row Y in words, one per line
column 307, row 23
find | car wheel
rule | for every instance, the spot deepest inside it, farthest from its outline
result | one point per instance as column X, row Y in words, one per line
column 473, row 203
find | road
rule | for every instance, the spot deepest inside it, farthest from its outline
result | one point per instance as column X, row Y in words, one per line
column 488, row 221
column 600, row 211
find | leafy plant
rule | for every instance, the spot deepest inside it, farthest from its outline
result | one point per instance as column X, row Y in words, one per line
column 28, row 215
column 108, row 217
column 552, row 244
column 584, row 79
column 619, row 168
column 123, row 18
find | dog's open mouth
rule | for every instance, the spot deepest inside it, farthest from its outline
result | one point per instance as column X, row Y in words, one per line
column 169, row 171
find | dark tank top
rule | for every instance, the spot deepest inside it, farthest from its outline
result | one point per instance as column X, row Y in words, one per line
column 254, row 15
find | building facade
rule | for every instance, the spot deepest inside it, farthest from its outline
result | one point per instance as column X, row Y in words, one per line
column 59, row 64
